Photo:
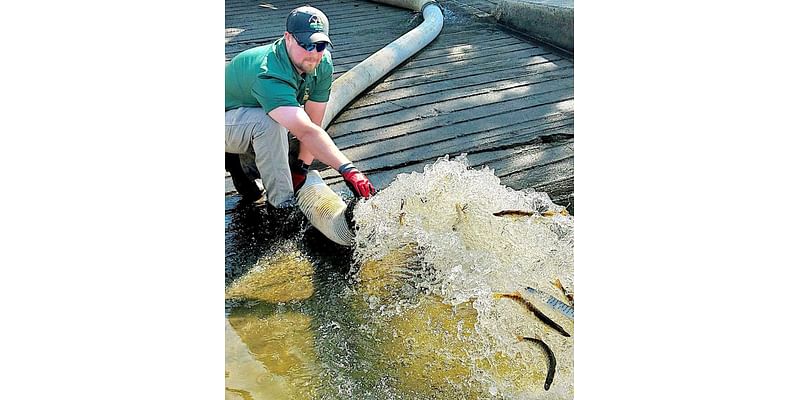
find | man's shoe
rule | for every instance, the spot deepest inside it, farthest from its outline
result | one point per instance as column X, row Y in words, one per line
column 253, row 197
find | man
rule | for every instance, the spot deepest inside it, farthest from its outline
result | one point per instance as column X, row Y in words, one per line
column 278, row 88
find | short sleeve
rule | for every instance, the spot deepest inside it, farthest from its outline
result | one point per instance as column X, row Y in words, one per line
column 272, row 93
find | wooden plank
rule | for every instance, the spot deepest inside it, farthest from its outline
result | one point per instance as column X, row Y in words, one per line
column 337, row 18
column 389, row 106
column 492, row 62
column 443, row 52
column 271, row 22
column 331, row 9
column 554, row 125
column 506, row 164
column 442, row 90
column 433, row 74
column 459, row 136
column 476, row 105
column 479, row 114
column 425, row 60
column 479, row 8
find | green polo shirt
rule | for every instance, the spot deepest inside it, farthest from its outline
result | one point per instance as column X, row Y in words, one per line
column 264, row 76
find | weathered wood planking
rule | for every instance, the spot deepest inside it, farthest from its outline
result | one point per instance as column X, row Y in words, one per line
column 504, row 99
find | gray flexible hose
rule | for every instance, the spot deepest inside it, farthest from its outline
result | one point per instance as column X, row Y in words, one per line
column 324, row 209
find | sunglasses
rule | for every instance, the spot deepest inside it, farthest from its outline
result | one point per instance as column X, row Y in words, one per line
column 319, row 46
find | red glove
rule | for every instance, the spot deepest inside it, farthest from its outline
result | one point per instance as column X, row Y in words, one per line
column 299, row 171
column 356, row 181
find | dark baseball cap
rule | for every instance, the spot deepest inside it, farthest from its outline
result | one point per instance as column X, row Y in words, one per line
column 308, row 25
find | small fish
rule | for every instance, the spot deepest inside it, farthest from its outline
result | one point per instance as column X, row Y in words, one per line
column 551, row 301
column 402, row 219
column 514, row 213
column 567, row 294
column 517, row 296
column 551, row 359
column 552, row 213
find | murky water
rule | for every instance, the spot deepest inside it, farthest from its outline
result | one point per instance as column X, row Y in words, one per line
column 411, row 312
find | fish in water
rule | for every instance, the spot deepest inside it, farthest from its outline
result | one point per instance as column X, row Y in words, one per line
column 514, row 213
column 551, row 359
column 517, row 296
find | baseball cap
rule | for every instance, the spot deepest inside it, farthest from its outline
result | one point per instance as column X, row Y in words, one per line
column 308, row 24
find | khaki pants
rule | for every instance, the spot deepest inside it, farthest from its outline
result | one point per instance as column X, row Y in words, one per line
column 264, row 144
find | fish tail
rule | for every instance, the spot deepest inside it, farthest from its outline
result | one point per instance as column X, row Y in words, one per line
column 549, row 322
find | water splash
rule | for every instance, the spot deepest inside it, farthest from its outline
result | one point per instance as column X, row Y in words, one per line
column 464, row 251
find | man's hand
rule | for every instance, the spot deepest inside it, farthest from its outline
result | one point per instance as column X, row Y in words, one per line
column 299, row 171
column 356, row 181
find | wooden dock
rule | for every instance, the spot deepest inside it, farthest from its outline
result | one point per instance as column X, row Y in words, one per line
column 478, row 88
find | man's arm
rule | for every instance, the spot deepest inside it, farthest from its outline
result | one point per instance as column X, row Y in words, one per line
column 320, row 144
column 313, row 138
column 316, row 112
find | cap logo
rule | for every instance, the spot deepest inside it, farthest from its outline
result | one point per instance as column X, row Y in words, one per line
column 315, row 23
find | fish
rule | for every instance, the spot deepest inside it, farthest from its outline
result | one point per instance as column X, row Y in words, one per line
column 517, row 296
column 524, row 213
column 551, row 301
column 567, row 294
column 514, row 213
column 551, row 359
